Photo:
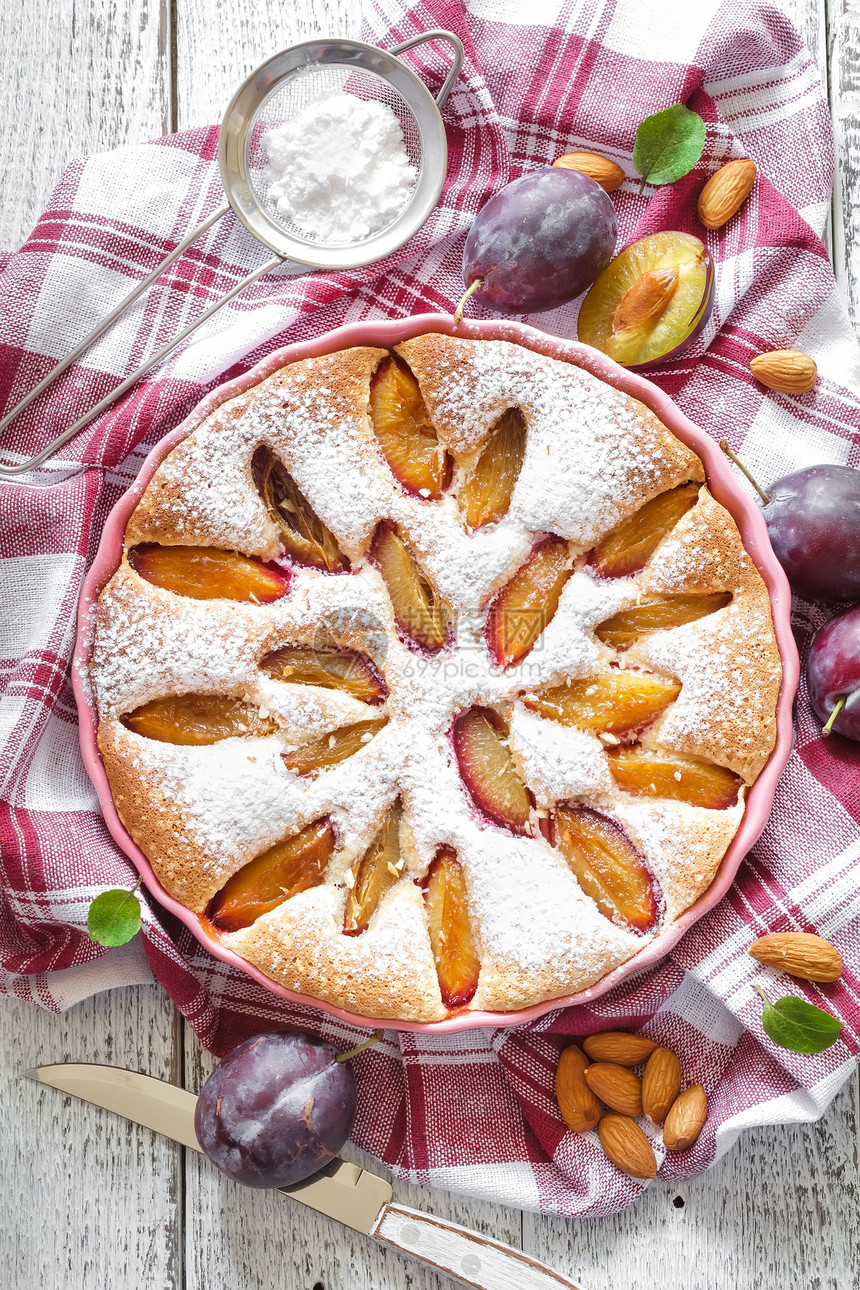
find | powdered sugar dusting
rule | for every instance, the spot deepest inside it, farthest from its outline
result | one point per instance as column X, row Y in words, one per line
column 527, row 899
column 559, row 761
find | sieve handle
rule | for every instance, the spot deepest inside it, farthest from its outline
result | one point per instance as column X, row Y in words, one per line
column 456, row 44
column 135, row 375
column 84, row 346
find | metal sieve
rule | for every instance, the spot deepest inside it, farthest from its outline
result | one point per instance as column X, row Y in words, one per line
column 273, row 94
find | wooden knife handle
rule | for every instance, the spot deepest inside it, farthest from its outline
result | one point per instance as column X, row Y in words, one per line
column 473, row 1260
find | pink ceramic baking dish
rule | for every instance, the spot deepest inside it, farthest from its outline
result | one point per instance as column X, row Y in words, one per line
column 724, row 487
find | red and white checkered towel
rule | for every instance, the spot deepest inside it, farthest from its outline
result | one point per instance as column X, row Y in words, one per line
column 474, row 1111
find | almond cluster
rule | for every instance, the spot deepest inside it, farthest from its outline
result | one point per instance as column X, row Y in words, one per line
column 598, row 1089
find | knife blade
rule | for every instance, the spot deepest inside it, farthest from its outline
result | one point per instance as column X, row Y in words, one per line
column 341, row 1190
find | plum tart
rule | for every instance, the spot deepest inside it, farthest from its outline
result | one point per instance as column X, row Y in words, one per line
column 433, row 680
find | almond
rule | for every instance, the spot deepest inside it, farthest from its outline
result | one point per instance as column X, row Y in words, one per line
column 603, row 171
column 661, row 1084
column 616, row 1086
column 725, row 192
column 619, row 1046
column 646, row 299
column 799, row 954
column 626, row 1146
column 788, row 370
column 579, row 1107
column 686, row 1119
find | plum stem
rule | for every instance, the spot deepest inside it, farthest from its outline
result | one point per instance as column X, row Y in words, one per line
column 760, row 991
column 353, row 1052
column 840, row 703
column 131, row 892
column 476, row 286
column 724, row 444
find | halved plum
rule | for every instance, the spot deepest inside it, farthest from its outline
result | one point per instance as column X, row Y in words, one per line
column 650, row 301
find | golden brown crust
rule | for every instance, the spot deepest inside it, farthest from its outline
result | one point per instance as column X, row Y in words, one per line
column 387, row 972
column 506, row 985
column 166, row 835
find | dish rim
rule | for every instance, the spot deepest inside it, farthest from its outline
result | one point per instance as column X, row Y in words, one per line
column 724, row 486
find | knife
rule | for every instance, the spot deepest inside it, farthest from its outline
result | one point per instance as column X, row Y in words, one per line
column 341, row 1190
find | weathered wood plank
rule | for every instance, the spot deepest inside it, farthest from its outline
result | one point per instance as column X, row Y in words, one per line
column 258, row 29
column 76, row 79
column 779, row 1209
column 844, row 43
column 88, row 1199
column 252, row 1240
column 810, row 19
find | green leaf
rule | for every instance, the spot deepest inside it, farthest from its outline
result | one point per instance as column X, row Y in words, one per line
column 668, row 145
column 797, row 1025
column 114, row 916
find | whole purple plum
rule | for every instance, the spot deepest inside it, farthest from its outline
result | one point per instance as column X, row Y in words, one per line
column 813, row 520
column 833, row 673
column 540, row 241
column 278, row 1108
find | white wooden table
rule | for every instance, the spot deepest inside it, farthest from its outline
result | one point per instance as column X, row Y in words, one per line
column 90, row 1203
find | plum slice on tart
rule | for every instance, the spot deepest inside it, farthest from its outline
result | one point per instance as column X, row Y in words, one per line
column 486, row 495
column 294, row 865
column 328, row 750
column 375, row 872
column 418, row 611
column 207, row 573
column 657, row 772
column 404, row 432
column 197, row 719
column 657, row 614
column 527, row 603
column 617, row 701
column 451, row 936
column 628, row 547
column 305, row 538
column 488, row 771
column 607, row 866
column 329, row 668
